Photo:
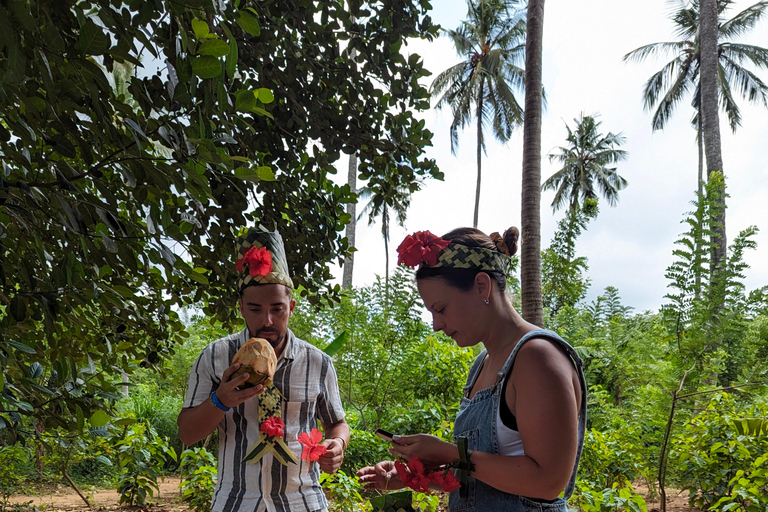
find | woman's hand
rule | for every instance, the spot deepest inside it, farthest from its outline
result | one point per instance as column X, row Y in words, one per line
column 382, row 476
column 430, row 450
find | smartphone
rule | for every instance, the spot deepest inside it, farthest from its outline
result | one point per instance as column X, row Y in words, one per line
column 387, row 436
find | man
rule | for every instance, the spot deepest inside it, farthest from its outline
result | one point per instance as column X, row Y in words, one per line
column 308, row 392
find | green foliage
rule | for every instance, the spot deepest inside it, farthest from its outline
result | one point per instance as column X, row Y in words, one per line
column 159, row 411
column 137, row 138
column 12, row 462
column 198, row 478
column 714, row 457
column 615, row 498
column 612, row 457
column 562, row 273
column 343, row 492
column 708, row 306
column 142, row 455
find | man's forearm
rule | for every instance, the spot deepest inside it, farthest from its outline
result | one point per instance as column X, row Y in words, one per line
column 339, row 429
column 196, row 423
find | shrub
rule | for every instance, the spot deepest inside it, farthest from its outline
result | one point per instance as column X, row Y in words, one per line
column 718, row 458
column 142, row 457
column 198, row 478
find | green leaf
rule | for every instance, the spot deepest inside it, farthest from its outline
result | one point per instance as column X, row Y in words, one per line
column 206, row 66
column 200, row 28
column 262, row 112
column 18, row 309
column 93, row 41
column 104, row 460
column 20, row 346
column 249, row 23
column 35, row 370
column 265, row 95
column 213, row 47
column 194, row 275
column 247, row 174
column 99, row 419
column 124, row 422
column 232, row 56
column 265, row 173
column 336, row 344
column 245, row 101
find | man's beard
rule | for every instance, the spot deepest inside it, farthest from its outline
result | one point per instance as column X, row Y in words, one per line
column 272, row 335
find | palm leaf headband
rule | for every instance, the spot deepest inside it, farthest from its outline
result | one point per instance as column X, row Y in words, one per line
column 425, row 249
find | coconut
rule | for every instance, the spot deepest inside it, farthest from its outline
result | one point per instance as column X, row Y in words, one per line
column 257, row 358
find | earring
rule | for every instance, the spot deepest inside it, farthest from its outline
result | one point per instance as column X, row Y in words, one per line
column 487, row 301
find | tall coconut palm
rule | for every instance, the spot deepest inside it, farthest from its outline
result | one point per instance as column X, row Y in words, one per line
column 588, row 166
column 530, row 224
column 711, row 120
column 386, row 197
column 680, row 76
column 491, row 42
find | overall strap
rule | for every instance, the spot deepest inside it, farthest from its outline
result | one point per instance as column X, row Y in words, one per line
column 473, row 372
column 578, row 364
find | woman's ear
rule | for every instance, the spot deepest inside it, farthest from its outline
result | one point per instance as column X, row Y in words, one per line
column 483, row 285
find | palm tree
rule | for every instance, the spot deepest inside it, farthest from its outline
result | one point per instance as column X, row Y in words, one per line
column 491, row 41
column 530, row 225
column 711, row 122
column 587, row 166
column 666, row 88
column 387, row 196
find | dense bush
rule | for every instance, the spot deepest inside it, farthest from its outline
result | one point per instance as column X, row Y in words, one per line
column 717, row 458
column 198, row 478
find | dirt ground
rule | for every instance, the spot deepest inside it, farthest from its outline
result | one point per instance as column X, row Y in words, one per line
column 168, row 500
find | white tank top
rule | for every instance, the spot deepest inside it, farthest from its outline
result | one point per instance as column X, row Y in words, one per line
column 509, row 440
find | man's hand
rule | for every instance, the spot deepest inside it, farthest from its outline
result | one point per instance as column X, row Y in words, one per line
column 227, row 392
column 195, row 423
column 331, row 460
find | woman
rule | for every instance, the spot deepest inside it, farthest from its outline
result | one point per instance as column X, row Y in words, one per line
column 520, row 427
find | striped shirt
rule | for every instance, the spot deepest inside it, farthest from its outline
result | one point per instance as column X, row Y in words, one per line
column 306, row 378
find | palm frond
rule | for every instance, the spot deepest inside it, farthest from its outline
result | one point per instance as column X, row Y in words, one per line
column 664, row 48
column 744, row 21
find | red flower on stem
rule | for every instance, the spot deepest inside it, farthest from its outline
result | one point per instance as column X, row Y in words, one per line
column 312, row 447
column 259, row 261
column 420, row 247
column 273, row 427
column 413, row 475
column 445, row 479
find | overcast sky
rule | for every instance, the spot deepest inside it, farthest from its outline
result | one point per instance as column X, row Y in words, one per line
column 628, row 246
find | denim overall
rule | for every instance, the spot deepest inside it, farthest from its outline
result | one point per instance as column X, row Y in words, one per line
column 477, row 422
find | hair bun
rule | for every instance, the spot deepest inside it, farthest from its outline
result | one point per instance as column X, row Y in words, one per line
column 511, row 236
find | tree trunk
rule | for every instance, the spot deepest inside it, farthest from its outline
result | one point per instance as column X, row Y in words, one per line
column 700, row 196
column 385, row 232
column 349, row 262
column 479, row 150
column 530, row 243
column 710, row 116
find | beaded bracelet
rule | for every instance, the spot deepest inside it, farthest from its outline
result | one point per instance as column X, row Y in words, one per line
column 218, row 404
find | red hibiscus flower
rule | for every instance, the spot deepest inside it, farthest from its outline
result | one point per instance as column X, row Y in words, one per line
column 273, row 427
column 420, row 247
column 259, row 261
column 413, row 475
column 445, row 479
column 312, row 447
